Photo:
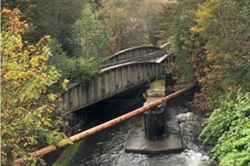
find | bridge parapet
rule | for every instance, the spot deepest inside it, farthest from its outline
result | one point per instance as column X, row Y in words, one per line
column 142, row 58
column 130, row 53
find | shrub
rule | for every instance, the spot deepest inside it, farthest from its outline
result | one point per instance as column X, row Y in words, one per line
column 229, row 128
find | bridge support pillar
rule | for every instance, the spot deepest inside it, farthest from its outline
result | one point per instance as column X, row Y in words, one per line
column 154, row 123
column 169, row 83
column 75, row 123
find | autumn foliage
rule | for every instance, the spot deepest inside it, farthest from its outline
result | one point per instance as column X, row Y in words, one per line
column 31, row 115
column 211, row 42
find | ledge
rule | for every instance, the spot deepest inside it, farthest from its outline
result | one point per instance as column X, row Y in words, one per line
column 138, row 143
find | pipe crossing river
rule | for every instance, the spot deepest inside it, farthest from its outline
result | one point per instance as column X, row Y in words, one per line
column 106, row 148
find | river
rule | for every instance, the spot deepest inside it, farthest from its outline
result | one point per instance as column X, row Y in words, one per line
column 106, row 148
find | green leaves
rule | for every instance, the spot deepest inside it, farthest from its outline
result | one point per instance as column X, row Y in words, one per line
column 80, row 69
column 229, row 128
column 54, row 137
column 86, row 31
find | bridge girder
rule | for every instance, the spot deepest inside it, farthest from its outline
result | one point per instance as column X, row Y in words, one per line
column 112, row 80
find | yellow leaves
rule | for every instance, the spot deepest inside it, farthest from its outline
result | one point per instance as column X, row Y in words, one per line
column 52, row 97
column 46, row 122
column 38, row 62
column 7, row 11
column 64, row 142
column 205, row 18
column 3, row 153
column 31, row 140
column 44, row 40
column 26, row 105
column 13, row 154
column 194, row 29
column 31, row 48
column 14, row 26
column 65, row 83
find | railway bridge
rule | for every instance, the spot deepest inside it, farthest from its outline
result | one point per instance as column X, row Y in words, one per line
column 118, row 73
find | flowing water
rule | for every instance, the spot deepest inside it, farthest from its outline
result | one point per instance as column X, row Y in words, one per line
column 106, row 148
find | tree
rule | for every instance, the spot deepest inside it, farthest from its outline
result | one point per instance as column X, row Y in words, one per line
column 187, row 46
column 124, row 25
column 212, row 46
column 194, row 39
column 55, row 18
column 87, row 33
column 153, row 21
column 115, row 21
column 227, row 48
column 31, row 115
column 26, row 7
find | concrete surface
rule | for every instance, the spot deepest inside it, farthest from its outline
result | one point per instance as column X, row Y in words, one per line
column 138, row 143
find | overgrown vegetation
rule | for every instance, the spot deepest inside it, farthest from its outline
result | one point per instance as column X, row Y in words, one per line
column 81, row 69
column 211, row 39
column 229, row 129
column 31, row 115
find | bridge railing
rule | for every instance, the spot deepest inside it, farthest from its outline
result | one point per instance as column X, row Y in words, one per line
column 130, row 53
column 142, row 58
